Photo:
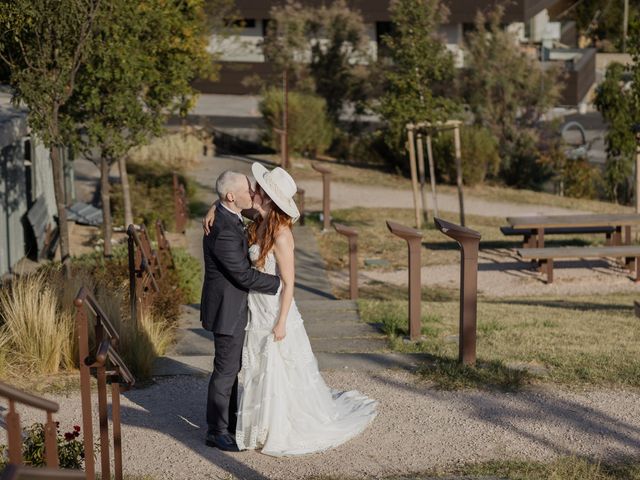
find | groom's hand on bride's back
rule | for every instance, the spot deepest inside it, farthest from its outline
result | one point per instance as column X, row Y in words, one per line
column 207, row 220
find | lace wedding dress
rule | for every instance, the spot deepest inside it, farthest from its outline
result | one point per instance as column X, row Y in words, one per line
column 285, row 406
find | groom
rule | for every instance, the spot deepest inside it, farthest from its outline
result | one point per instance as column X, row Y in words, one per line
column 223, row 308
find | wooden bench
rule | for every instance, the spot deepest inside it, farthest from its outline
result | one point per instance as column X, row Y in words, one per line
column 527, row 233
column 546, row 256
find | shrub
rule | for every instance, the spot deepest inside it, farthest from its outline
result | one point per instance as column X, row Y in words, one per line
column 581, row 180
column 479, row 151
column 35, row 332
column 151, row 186
column 189, row 272
column 310, row 131
column 70, row 448
column 173, row 150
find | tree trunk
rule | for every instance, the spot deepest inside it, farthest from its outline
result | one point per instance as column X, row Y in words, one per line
column 58, row 188
column 126, row 194
column 105, row 197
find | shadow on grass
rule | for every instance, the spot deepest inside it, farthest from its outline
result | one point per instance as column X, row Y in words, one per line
column 378, row 290
column 564, row 304
column 492, row 244
column 448, row 374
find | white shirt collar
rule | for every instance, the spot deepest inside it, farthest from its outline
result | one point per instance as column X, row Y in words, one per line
column 235, row 213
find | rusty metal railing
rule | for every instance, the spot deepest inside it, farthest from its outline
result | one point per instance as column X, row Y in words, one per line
column 154, row 260
column 469, row 241
column 180, row 205
column 300, row 202
column 14, row 430
column 164, row 248
column 352, row 236
column 142, row 281
column 326, row 195
column 413, row 238
column 20, row 472
column 104, row 355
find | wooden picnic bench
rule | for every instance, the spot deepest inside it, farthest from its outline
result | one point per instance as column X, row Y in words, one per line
column 541, row 224
column 528, row 233
column 546, row 256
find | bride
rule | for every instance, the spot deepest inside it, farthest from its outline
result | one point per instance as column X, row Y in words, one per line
column 285, row 407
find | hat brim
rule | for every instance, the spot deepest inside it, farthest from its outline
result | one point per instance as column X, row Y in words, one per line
column 287, row 205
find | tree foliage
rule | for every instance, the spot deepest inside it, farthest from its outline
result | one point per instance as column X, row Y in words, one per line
column 602, row 22
column 44, row 44
column 417, row 64
column 508, row 91
column 139, row 72
column 322, row 50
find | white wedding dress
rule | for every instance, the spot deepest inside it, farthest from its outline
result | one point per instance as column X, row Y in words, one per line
column 285, row 407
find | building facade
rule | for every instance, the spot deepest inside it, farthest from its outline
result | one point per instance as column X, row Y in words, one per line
column 534, row 22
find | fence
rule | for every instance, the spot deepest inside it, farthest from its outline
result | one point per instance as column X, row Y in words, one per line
column 180, row 205
column 104, row 353
column 15, row 470
column 142, row 280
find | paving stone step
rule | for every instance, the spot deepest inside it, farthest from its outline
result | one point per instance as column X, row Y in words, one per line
column 326, row 305
column 203, row 364
column 351, row 345
column 340, row 329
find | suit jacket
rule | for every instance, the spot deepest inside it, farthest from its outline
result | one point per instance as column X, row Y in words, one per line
column 229, row 276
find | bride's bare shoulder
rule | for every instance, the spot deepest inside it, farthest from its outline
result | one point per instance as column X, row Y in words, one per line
column 284, row 237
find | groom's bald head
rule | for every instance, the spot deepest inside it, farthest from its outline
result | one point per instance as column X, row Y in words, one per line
column 230, row 182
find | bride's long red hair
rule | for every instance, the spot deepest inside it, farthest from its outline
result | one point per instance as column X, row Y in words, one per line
column 276, row 219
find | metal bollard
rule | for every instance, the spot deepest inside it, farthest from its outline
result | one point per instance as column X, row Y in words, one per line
column 326, row 200
column 300, row 195
column 469, row 241
column 352, row 235
column 414, row 242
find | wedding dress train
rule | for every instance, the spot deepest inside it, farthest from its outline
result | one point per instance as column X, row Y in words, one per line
column 285, row 406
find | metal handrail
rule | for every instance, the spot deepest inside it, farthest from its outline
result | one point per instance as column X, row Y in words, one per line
column 12, row 419
column 28, row 399
column 20, row 472
column 106, row 343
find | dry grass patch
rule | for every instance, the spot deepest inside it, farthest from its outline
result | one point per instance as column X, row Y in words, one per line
column 376, row 242
column 572, row 341
column 375, row 175
column 174, row 150
column 36, row 335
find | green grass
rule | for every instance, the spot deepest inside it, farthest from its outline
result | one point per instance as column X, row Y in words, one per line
column 568, row 341
column 376, row 242
column 563, row 468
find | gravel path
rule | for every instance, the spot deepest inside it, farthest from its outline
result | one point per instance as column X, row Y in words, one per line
column 417, row 428
column 345, row 195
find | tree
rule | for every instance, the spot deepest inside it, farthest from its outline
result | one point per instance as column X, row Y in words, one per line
column 508, row 92
column 323, row 50
column 338, row 54
column 616, row 106
column 417, row 64
column 139, row 72
column 602, row 22
column 44, row 44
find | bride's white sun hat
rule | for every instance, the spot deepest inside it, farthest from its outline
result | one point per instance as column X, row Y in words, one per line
column 280, row 187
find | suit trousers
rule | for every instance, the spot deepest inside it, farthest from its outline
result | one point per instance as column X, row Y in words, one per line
column 222, row 401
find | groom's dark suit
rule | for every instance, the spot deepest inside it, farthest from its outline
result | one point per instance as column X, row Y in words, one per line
column 223, row 310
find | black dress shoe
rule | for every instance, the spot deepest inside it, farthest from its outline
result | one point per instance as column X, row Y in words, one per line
column 222, row 441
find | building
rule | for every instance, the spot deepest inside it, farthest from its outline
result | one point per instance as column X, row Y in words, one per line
column 535, row 22
column 26, row 179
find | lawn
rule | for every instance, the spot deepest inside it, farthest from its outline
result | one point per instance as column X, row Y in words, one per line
column 376, row 175
column 376, row 242
column 571, row 341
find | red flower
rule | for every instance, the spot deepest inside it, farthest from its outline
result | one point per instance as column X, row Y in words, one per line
column 69, row 436
column 76, row 428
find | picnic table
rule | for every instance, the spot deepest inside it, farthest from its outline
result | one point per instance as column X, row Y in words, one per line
column 580, row 223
